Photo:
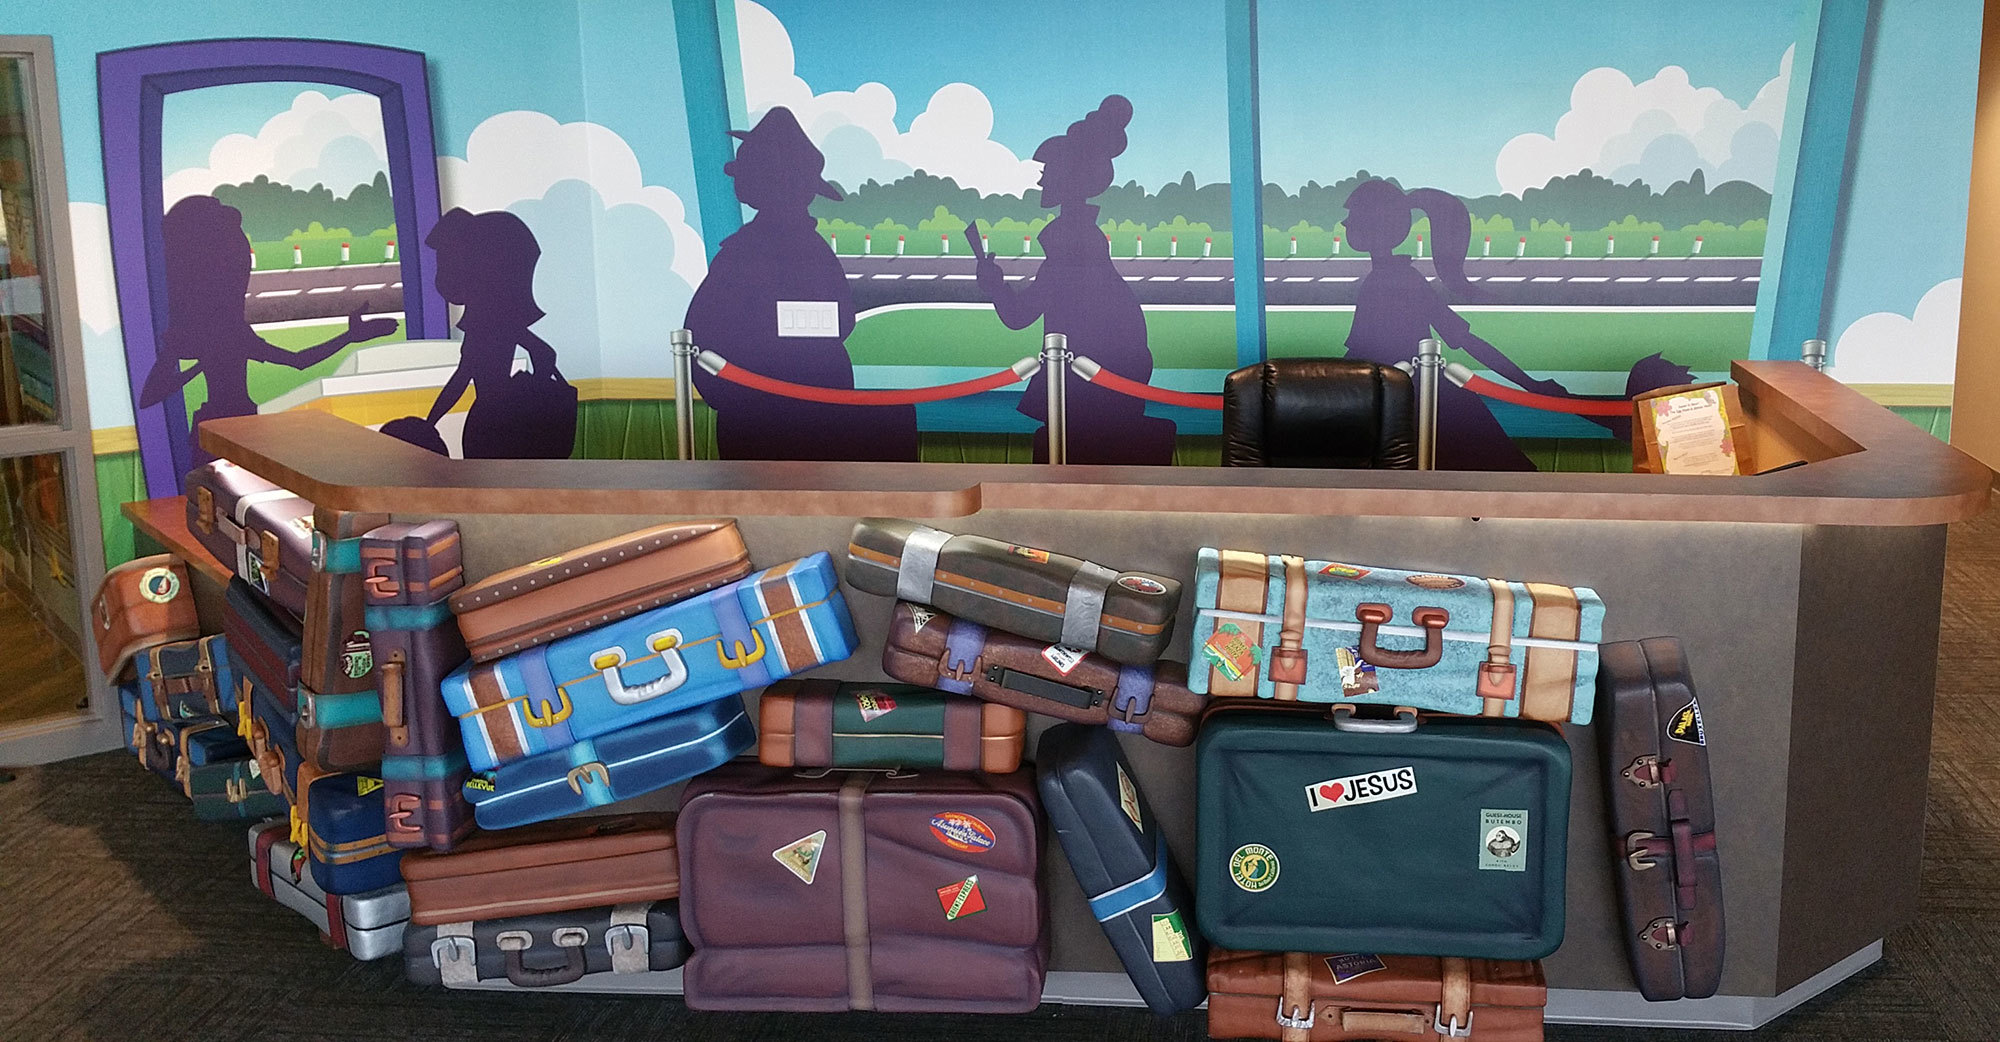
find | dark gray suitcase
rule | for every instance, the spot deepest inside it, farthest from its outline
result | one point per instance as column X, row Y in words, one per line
column 541, row 951
column 1114, row 845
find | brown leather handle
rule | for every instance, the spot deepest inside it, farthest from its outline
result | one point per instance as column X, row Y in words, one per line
column 1369, row 1023
column 392, row 699
column 1373, row 616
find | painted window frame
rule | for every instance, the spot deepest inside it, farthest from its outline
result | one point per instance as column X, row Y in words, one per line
column 132, row 86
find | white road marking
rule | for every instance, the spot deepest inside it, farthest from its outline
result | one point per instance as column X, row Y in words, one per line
column 1548, row 278
column 368, row 286
column 1298, row 278
column 1164, row 278
column 326, row 289
column 1341, row 278
column 1751, row 278
column 1632, row 278
column 280, row 293
column 890, row 275
column 395, row 285
column 1204, row 278
column 1508, row 278
column 1716, row 278
column 1673, row 278
column 1590, row 278
column 1134, row 278
column 318, row 323
column 914, row 278
column 855, row 275
column 1014, row 278
column 966, row 278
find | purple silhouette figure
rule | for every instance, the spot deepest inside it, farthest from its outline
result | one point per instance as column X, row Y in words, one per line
column 208, row 262
column 1077, row 292
column 1395, row 307
column 778, row 261
column 486, row 263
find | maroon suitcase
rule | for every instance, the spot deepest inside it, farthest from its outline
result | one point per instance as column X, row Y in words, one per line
column 862, row 890
column 933, row 649
column 251, row 525
column 408, row 572
column 1662, row 817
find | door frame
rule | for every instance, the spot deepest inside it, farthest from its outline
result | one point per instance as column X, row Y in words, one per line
column 97, row 727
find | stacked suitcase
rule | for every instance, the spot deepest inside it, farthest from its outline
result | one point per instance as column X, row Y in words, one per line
column 440, row 752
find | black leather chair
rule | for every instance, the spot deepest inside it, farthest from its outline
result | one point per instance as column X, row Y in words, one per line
column 1319, row 412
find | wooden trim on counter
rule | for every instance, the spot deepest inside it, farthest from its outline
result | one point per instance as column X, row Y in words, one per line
column 1870, row 467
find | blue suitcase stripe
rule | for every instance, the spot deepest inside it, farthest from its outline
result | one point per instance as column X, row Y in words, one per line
column 1138, row 893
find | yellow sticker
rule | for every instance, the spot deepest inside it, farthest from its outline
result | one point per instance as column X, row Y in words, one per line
column 1170, row 939
column 545, row 562
column 364, row 786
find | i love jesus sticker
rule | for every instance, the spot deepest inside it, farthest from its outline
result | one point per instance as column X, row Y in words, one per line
column 1372, row 787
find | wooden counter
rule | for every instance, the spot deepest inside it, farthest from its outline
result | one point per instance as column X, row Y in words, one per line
column 1872, row 468
column 1807, row 599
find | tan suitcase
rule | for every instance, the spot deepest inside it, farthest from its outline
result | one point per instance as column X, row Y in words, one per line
column 592, row 585
column 1294, row 997
column 142, row 604
column 554, row 866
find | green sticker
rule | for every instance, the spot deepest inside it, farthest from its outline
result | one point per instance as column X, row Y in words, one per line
column 1170, row 939
column 1503, row 840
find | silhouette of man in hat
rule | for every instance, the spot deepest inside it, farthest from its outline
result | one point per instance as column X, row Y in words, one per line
column 778, row 258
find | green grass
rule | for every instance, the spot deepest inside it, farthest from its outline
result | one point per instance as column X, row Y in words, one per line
column 1547, row 341
column 268, row 380
column 322, row 252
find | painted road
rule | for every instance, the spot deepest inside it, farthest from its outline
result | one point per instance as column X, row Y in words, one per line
column 1327, row 282
column 298, row 294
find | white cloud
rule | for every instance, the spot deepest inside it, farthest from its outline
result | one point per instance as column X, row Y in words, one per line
column 97, row 303
column 336, row 142
column 1888, row 348
column 952, row 137
column 619, row 259
column 1659, row 131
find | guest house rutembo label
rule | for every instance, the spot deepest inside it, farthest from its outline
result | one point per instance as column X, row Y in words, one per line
column 1372, row 787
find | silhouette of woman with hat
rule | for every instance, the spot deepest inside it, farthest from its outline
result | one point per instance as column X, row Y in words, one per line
column 779, row 258
column 1077, row 292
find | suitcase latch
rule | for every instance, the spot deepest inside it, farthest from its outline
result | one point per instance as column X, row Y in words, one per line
column 1496, row 680
column 402, row 807
column 1294, row 1021
column 1288, row 665
column 1648, row 771
column 1452, row 1028
column 268, row 566
column 592, row 773
column 236, row 789
column 1642, row 848
column 204, row 509
column 629, row 945
column 1662, row 934
column 453, row 951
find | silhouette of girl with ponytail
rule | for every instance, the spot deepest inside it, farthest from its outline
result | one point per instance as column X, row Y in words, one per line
column 1077, row 292
column 1396, row 306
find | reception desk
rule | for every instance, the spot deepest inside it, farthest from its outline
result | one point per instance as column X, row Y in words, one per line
column 1808, row 600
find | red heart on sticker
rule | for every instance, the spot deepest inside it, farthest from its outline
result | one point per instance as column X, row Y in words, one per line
column 1331, row 793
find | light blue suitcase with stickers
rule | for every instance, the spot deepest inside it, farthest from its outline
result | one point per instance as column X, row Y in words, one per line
column 756, row 630
column 1282, row 627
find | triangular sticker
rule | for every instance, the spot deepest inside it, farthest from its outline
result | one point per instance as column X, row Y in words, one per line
column 802, row 857
column 1686, row 725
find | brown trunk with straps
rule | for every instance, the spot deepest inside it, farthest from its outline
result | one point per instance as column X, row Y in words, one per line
column 1296, row 997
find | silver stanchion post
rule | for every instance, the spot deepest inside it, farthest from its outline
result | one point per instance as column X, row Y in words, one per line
column 1430, row 361
column 1055, row 366
column 684, row 351
column 1813, row 353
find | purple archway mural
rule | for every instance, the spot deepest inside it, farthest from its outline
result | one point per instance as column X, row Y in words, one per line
column 132, row 86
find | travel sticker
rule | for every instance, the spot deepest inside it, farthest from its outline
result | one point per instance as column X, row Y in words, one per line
column 919, row 618
column 1373, row 787
column 961, row 899
column 1503, row 840
column 364, row 786
column 801, row 856
column 1029, row 552
column 479, row 783
column 874, row 705
column 1141, row 584
column 1063, row 657
column 1170, row 939
column 1357, row 676
column 1230, row 651
column 1435, row 582
column 961, row 831
column 1254, row 867
column 1347, row 967
column 1687, row 726
column 358, row 657
column 159, row 585
column 1128, row 797
column 1343, row 571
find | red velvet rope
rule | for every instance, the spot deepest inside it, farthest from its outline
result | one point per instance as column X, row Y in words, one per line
column 1112, row 381
column 890, row 396
column 1549, row 403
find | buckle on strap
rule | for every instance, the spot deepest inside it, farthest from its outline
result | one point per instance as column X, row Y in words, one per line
column 1295, row 1021
column 1451, row 1028
column 455, row 956
column 628, row 940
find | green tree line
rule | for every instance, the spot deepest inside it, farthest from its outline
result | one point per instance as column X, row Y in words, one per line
column 273, row 210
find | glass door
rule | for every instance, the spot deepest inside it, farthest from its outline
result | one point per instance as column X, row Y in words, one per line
column 53, row 701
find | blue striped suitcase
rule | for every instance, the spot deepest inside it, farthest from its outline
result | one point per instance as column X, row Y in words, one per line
column 347, row 835
column 184, row 680
column 747, row 634
column 143, row 737
column 1115, row 846
column 616, row 766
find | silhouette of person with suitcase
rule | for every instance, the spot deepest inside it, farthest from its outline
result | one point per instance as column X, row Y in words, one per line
column 1077, row 292
column 486, row 263
column 207, row 260
column 775, row 262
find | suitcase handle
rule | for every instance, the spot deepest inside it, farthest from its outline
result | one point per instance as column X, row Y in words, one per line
column 521, row 975
column 392, row 699
column 1374, row 615
column 1404, row 722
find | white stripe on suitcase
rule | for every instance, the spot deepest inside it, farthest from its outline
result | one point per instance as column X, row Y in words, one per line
column 1397, row 630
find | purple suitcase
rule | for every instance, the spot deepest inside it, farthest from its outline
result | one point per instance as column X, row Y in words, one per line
column 408, row 572
column 423, row 798
column 862, row 890
column 261, row 531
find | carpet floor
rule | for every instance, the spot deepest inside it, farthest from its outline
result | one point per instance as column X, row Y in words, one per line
column 122, row 919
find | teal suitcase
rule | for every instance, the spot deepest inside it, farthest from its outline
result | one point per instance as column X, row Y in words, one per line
column 1383, row 836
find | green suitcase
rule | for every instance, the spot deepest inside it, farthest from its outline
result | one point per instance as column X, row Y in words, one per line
column 1385, row 836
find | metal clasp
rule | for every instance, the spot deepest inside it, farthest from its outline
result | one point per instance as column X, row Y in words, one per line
column 549, row 713
column 452, row 950
column 1662, row 934
column 1636, row 852
column 1295, row 1022
column 744, row 656
column 1452, row 1028
column 589, row 773
column 1645, row 772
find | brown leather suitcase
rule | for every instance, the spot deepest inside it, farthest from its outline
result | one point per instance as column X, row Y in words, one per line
column 141, row 604
column 592, row 585
column 554, row 866
column 828, row 723
column 1294, row 997
column 334, row 656
column 1123, row 616
column 934, row 649
column 1662, row 818
column 863, row 890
